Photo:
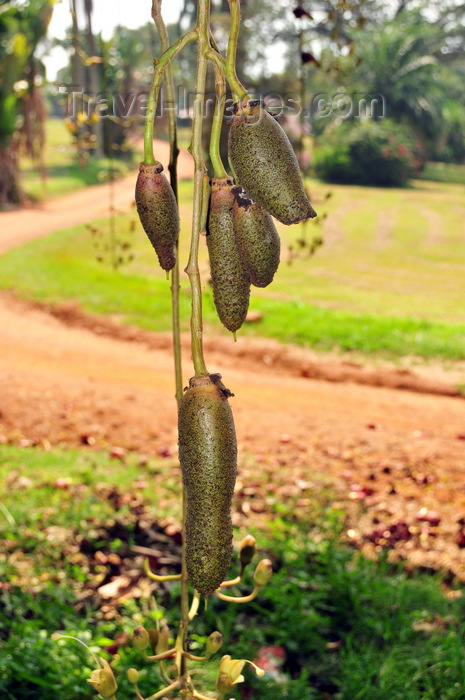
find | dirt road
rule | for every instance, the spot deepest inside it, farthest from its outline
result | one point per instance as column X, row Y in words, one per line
column 18, row 227
column 71, row 379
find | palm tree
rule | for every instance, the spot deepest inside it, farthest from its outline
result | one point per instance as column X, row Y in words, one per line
column 400, row 61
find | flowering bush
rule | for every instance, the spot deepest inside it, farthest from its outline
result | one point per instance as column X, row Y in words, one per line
column 379, row 153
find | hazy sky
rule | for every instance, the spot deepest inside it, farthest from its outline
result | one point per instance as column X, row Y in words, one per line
column 107, row 15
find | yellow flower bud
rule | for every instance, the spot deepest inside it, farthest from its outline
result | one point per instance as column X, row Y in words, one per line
column 247, row 549
column 230, row 673
column 140, row 638
column 103, row 680
column 133, row 675
column 214, row 642
column 263, row 572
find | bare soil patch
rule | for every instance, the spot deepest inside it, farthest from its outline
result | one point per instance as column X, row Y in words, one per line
column 391, row 440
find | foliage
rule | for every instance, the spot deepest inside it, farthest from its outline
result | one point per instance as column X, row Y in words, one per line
column 373, row 153
column 21, row 28
column 34, row 666
column 444, row 172
column 412, row 58
column 121, row 72
column 346, row 627
column 399, row 61
column 31, row 664
column 344, row 623
column 65, row 173
column 450, row 146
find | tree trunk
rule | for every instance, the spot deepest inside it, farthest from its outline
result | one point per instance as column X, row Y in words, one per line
column 10, row 188
column 94, row 78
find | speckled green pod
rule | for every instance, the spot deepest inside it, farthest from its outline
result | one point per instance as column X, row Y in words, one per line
column 257, row 238
column 208, row 458
column 266, row 165
column 230, row 279
column 158, row 212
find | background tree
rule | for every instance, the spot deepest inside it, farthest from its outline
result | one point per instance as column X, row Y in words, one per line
column 400, row 60
column 22, row 27
column 413, row 57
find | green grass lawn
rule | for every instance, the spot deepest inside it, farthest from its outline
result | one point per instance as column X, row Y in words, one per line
column 389, row 278
column 64, row 172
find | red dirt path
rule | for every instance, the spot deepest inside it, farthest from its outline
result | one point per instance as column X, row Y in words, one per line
column 69, row 378
column 18, row 227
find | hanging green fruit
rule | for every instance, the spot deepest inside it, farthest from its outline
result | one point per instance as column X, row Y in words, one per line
column 257, row 238
column 265, row 164
column 208, row 458
column 230, row 279
column 158, row 212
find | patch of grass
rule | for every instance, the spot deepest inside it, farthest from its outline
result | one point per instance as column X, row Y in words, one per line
column 64, row 173
column 63, row 266
column 444, row 172
column 31, row 664
column 34, row 666
column 348, row 627
column 389, row 278
column 49, row 497
column 394, row 253
column 325, row 329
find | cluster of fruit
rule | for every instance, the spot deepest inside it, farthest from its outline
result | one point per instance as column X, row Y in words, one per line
column 244, row 249
column 242, row 240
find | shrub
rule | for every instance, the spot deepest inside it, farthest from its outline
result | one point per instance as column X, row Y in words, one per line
column 368, row 153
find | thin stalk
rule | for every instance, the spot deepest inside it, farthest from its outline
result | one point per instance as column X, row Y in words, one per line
column 175, row 311
column 176, row 321
column 192, row 269
column 236, row 86
column 159, row 657
column 155, row 577
column 231, row 582
column 172, row 167
column 163, row 674
column 241, row 599
column 193, row 272
column 199, row 696
column 194, row 606
column 205, row 203
column 170, row 93
column 238, row 90
column 191, row 657
column 217, row 122
column 161, row 692
column 149, row 156
column 158, row 70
